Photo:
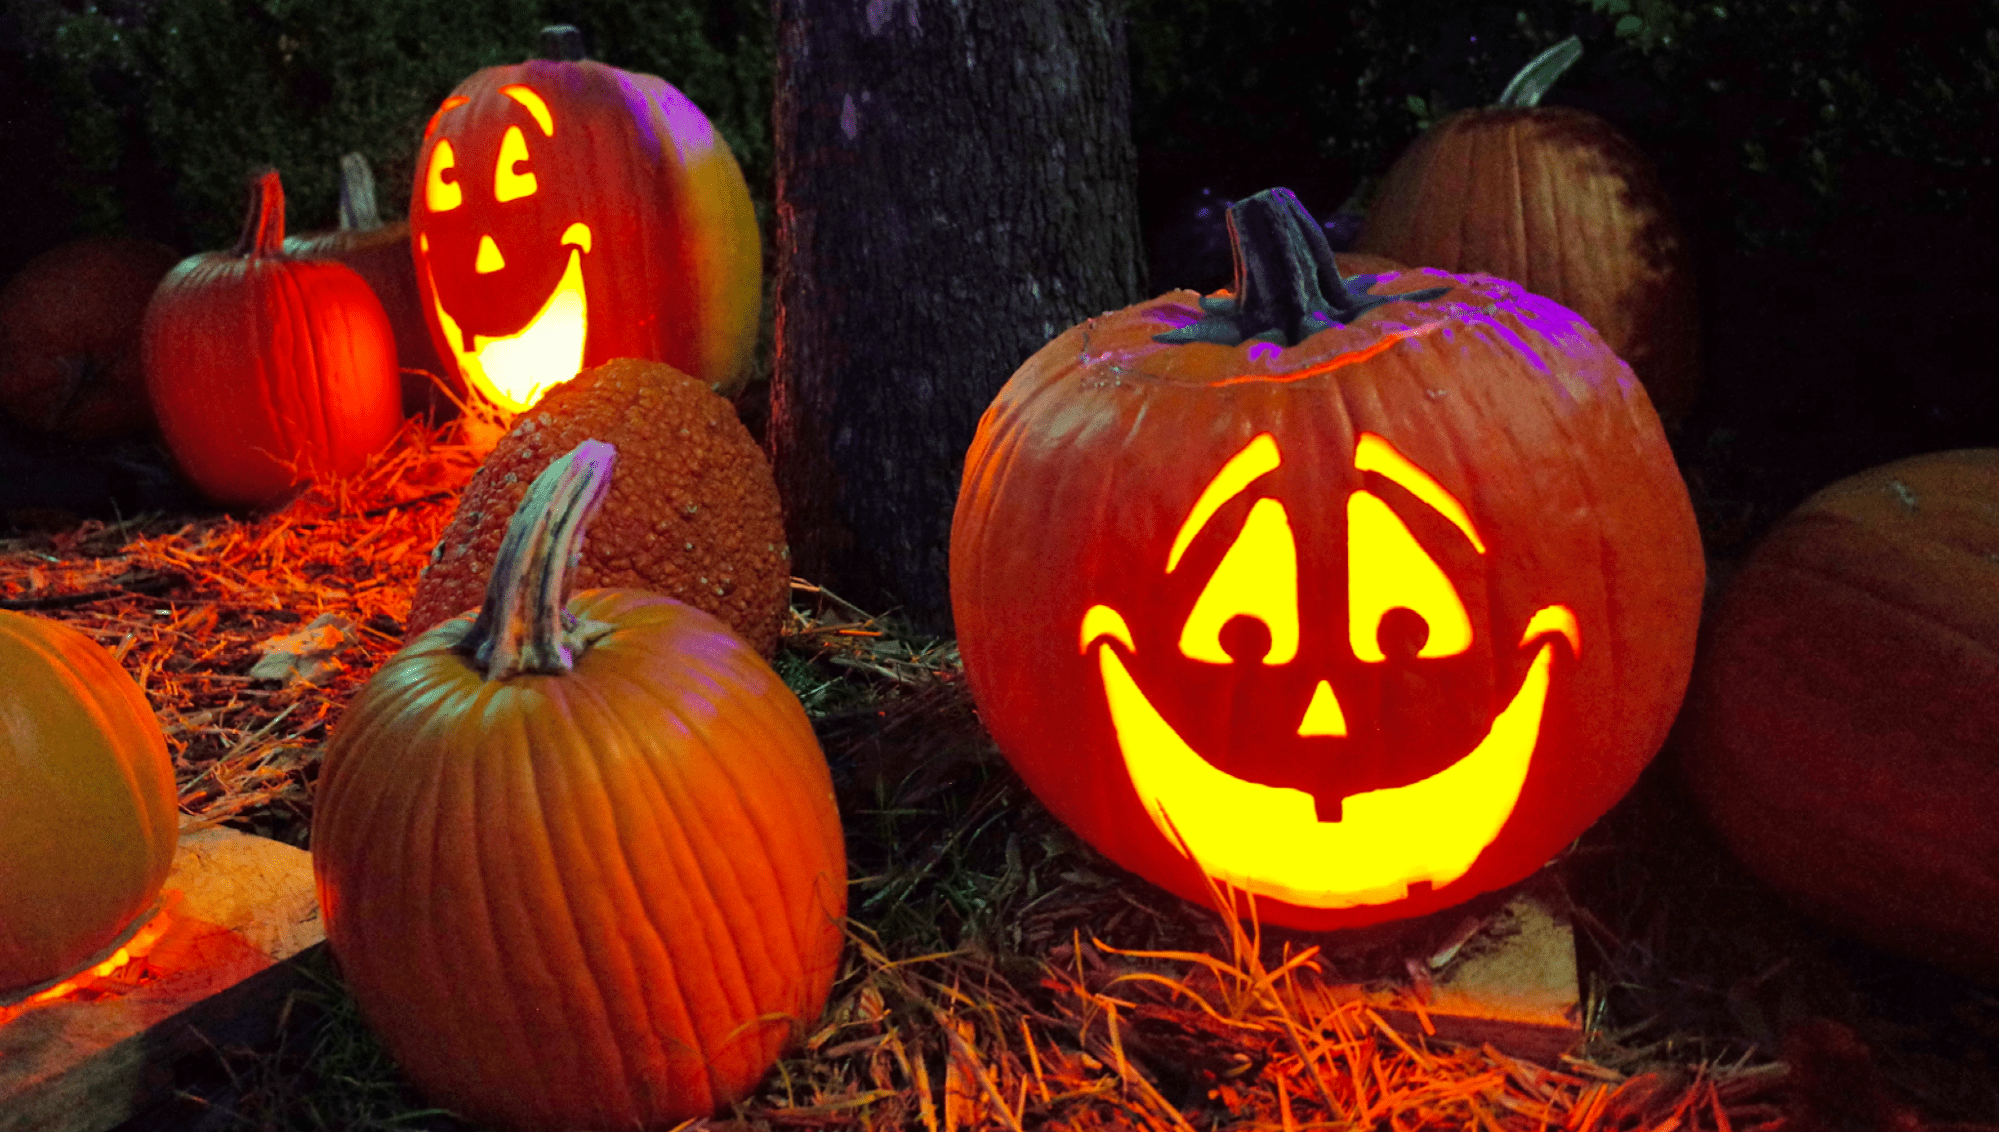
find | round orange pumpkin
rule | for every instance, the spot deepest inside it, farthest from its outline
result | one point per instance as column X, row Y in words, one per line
column 69, row 337
column 1843, row 726
column 580, row 862
column 380, row 254
column 88, row 819
column 1359, row 604
column 266, row 371
column 566, row 213
column 1559, row 201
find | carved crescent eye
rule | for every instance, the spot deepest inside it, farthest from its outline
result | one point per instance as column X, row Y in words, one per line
column 440, row 195
column 1386, row 570
column 1257, row 578
column 508, row 182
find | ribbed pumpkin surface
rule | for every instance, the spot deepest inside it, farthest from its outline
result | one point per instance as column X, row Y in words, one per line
column 1095, row 451
column 1555, row 199
column 1845, row 709
column 604, row 899
column 87, row 807
column 265, row 371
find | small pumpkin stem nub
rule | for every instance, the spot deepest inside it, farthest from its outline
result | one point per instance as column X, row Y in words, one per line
column 264, row 227
column 562, row 43
column 524, row 625
column 1287, row 285
column 357, row 195
column 1533, row 81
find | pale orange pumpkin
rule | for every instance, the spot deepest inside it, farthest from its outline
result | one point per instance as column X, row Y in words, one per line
column 566, row 213
column 580, row 863
column 1557, row 200
column 87, row 807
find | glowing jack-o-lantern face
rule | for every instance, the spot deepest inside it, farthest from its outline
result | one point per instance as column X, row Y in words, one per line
column 1382, row 840
column 566, row 213
column 1357, row 625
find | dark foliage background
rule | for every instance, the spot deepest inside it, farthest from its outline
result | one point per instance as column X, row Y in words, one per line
column 1831, row 158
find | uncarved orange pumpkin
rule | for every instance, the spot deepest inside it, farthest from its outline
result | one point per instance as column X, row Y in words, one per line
column 69, row 337
column 1559, row 201
column 580, row 862
column 87, row 807
column 266, row 371
column 380, row 254
column 1358, row 603
column 566, row 213
column 1843, row 725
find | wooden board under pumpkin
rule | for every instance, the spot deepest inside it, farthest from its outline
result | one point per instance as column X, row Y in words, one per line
column 220, row 974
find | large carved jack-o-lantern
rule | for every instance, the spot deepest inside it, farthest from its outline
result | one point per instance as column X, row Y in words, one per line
column 1360, row 605
column 566, row 213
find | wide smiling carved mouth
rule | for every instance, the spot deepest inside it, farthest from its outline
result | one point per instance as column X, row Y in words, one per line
column 1269, row 841
column 516, row 369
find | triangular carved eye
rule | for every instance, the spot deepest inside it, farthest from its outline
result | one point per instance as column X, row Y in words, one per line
column 1386, row 570
column 1257, row 578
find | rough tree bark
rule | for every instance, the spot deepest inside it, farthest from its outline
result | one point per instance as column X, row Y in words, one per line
column 956, row 184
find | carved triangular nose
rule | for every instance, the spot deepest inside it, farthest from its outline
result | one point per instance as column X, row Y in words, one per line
column 1323, row 716
column 489, row 259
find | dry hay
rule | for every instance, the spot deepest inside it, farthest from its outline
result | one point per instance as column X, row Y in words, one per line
column 1000, row 974
column 190, row 606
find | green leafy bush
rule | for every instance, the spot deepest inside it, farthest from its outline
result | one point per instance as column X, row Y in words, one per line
column 156, row 110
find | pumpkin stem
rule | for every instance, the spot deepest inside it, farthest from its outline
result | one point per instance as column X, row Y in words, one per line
column 562, row 43
column 1533, row 81
column 1287, row 286
column 357, row 194
column 525, row 625
column 264, row 227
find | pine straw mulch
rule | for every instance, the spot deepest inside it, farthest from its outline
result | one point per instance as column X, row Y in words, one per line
column 1000, row 974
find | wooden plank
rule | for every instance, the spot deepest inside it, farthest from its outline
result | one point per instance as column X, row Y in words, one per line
column 1512, row 984
column 245, row 908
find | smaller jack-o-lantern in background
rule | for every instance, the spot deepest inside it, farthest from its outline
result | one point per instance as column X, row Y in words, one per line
column 566, row 213
column 1361, row 612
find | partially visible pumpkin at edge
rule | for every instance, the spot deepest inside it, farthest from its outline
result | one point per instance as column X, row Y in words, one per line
column 1842, row 728
column 69, row 337
column 693, row 514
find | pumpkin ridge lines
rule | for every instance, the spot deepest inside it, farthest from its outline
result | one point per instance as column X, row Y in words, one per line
column 582, row 932
column 459, row 786
column 684, row 876
column 1926, row 618
column 397, row 839
column 641, row 754
column 733, row 744
column 506, row 787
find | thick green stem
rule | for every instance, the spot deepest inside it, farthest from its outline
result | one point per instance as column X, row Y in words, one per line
column 1538, row 75
column 357, row 195
column 264, row 226
column 525, row 626
column 1287, row 285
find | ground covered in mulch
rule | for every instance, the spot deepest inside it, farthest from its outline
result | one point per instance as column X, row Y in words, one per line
column 1000, row 974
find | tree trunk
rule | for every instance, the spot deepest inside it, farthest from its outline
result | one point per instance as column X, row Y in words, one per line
column 956, row 185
